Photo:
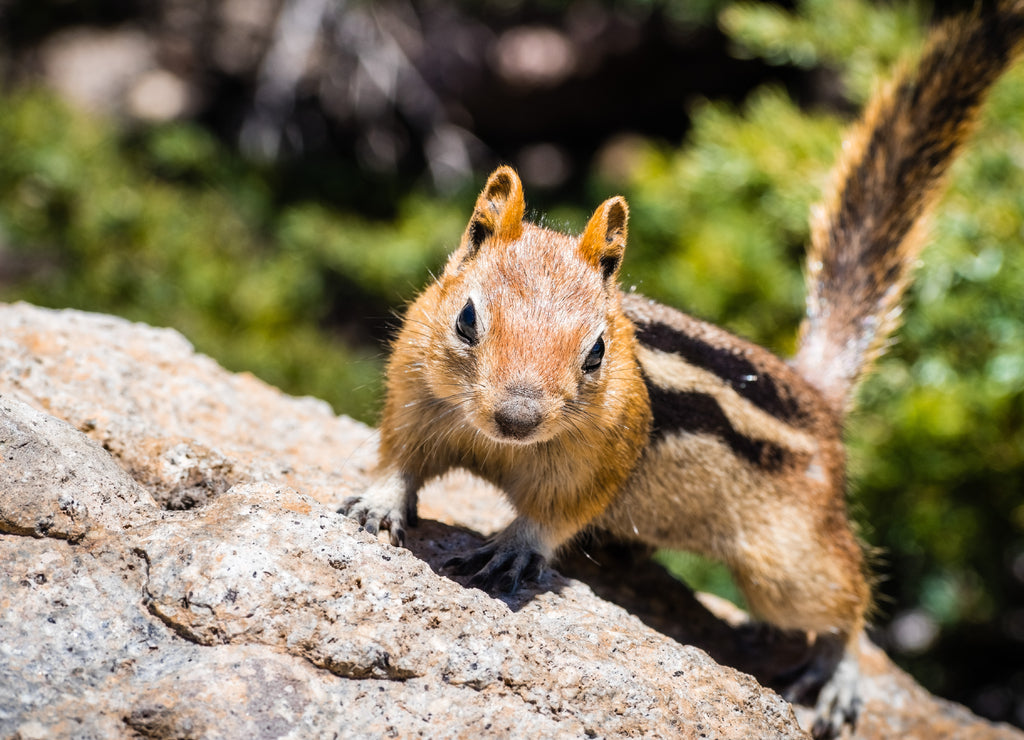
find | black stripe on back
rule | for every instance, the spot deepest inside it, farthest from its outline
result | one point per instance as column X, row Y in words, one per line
column 736, row 370
column 700, row 413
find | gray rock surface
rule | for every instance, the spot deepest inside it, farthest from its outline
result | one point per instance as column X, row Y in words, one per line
column 171, row 566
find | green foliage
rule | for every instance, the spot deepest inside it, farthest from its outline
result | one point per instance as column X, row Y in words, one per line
column 864, row 41
column 701, row 573
column 718, row 226
column 939, row 442
column 389, row 262
column 167, row 228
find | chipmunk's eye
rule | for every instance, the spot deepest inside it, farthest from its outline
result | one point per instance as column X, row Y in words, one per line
column 465, row 325
column 594, row 357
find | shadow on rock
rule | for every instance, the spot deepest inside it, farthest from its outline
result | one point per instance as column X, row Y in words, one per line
column 436, row 543
column 626, row 575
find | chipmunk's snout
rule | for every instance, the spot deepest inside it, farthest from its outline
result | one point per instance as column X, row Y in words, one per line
column 518, row 415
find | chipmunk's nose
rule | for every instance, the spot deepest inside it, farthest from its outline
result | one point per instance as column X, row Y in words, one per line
column 519, row 413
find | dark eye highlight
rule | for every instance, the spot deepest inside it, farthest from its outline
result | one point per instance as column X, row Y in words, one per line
column 594, row 357
column 465, row 325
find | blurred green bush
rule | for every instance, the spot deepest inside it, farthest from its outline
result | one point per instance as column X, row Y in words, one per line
column 165, row 226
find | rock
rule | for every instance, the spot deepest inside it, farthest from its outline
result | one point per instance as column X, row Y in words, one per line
column 55, row 482
column 171, row 566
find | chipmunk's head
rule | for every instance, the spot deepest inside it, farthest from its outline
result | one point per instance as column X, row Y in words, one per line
column 531, row 336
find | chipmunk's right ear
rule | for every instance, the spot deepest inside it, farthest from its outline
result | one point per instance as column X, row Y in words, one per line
column 498, row 212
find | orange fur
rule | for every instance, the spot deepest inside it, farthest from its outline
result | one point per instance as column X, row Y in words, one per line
column 544, row 301
column 524, row 363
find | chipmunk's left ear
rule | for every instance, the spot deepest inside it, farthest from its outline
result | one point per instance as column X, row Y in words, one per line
column 604, row 240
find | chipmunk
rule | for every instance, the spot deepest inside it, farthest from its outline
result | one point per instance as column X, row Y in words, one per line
column 591, row 408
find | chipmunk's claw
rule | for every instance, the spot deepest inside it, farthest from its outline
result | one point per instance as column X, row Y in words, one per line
column 375, row 518
column 834, row 673
column 497, row 567
column 838, row 703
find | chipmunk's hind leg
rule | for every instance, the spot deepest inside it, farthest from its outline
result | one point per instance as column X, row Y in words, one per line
column 808, row 575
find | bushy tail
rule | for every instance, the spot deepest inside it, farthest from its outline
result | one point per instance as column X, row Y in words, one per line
column 868, row 231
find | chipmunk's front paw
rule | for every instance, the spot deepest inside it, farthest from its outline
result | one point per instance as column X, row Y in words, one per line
column 386, row 505
column 498, row 566
column 838, row 702
column 375, row 517
column 837, row 672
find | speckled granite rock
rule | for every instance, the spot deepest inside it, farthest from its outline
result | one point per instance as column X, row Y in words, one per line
column 171, row 566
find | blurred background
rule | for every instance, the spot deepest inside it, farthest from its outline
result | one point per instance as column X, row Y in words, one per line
column 276, row 178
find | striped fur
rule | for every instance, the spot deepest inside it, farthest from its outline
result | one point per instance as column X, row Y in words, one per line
column 745, row 463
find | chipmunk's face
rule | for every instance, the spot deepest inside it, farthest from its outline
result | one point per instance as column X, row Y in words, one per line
column 525, row 318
